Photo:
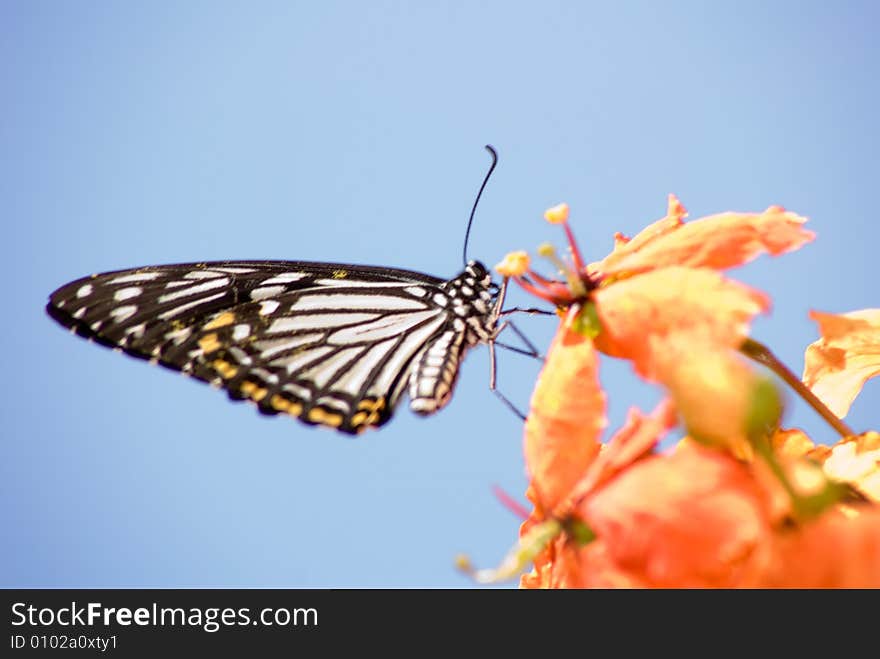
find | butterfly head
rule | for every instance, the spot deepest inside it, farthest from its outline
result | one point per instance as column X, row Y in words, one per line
column 479, row 273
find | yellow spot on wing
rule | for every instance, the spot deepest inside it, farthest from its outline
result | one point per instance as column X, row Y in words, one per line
column 340, row 274
column 319, row 415
column 372, row 404
column 224, row 319
column 253, row 391
column 224, row 368
column 209, row 343
column 281, row 404
column 370, row 413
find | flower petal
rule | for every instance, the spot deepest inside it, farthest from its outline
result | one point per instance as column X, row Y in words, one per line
column 791, row 444
column 566, row 565
column 837, row 550
column 720, row 241
column 625, row 247
column 848, row 355
column 638, row 436
column 694, row 518
column 566, row 418
column 639, row 314
column 856, row 460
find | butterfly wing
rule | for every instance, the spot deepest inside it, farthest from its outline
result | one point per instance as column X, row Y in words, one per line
column 330, row 344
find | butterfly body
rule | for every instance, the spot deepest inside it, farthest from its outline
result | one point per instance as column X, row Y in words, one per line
column 331, row 344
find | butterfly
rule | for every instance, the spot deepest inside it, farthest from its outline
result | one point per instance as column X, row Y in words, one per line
column 330, row 344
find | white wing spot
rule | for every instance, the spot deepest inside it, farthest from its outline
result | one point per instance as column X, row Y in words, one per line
column 266, row 291
column 380, row 329
column 418, row 291
column 202, row 274
column 268, row 306
column 234, row 271
column 298, row 391
column 325, row 371
column 194, row 290
column 165, row 315
column 356, row 283
column 317, row 321
column 179, row 336
column 440, row 299
column 285, row 278
column 264, row 375
column 136, row 330
column 126, row 293
column 137, row 276
column 84, row 290
column 240, row 332
column 122, row 313
column 354, row 302
column 240, row 356
column 299, row 359
column 272, row 347
column 79, row 313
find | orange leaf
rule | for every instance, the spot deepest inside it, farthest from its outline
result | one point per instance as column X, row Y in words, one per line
column 720, row 241
column 566, row 418
column 639, row 314
column 848, row 354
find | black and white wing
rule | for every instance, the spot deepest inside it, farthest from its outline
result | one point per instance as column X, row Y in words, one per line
column 330, row 344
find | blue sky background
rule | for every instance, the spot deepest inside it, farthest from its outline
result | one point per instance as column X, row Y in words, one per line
column 145, row 133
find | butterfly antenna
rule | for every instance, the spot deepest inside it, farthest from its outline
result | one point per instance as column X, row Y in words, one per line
column 467, row 233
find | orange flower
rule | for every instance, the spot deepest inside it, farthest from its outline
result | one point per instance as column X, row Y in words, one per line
column 563, row 431
column 720, row 241
column 838, row 550
column 853, row 460
column 717, row 242
column 848, row 355
column 562, row 449
column 663, row 283
column 641, row 314
column 700, row 518
column 694, row 518
column 621, row 515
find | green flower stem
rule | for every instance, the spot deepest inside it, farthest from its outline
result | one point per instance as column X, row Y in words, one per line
column 804, row 506
column 762, row 354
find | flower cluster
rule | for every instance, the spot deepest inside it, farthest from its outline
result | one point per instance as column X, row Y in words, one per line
column 740, row 501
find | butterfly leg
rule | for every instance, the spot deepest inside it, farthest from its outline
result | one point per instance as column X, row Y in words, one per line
column 531, row 311
column 492, row 377
column 532, row 350
column 529, row 351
